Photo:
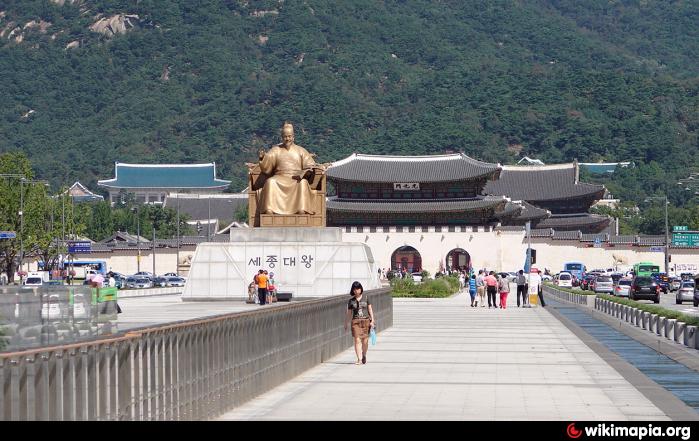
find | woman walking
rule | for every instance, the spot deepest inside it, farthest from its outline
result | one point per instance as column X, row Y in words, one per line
column 472, row 289
column 504, row 288
column 361, row 314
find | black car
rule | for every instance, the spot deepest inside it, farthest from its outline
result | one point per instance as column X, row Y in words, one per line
column 645, row 288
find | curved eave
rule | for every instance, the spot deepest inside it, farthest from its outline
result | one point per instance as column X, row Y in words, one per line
column 594, row 194
column 488, row 176
column 429, row 168
column 415, row 206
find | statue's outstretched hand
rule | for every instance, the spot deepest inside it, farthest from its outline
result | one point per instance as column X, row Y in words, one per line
column 251, row 165
column 261, row 154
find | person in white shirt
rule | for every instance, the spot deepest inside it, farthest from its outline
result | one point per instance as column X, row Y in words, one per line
column 535, row 285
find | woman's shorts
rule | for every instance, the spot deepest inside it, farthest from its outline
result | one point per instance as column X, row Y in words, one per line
column 360, row 328
column 473, row 294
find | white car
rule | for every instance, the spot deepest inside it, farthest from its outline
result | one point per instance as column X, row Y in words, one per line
column 51, row 309
column 565, row 280
column 685, row 293
column 417, row 277
column 623, row 287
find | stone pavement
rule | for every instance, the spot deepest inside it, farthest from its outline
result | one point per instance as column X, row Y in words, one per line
column 444, row 360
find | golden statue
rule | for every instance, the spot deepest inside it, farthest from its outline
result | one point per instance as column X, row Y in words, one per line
column 287, row 182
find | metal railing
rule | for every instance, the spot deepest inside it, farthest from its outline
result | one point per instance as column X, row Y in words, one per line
column 191, row 370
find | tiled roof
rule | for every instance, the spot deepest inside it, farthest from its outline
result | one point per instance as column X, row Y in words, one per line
column 592, row 237
column 651, row 240
column 541, row 183
column 434, row 168
column 185, row 176
column 541, row 232
column 622, row 240
column 566, row 235
column 530, row 212
column 511, row 210
column 222, row 208
column 517, row 228
column 573, row 220
column 414, row 206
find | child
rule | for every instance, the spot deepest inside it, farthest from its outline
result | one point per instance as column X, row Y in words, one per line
column 472, row 290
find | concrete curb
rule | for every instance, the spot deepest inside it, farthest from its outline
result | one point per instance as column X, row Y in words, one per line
column 672, row 329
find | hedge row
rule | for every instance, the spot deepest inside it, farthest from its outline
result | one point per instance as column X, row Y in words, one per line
column 659, row 310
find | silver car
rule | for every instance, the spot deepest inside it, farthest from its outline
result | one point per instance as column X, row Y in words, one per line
column 622, row 288
column 604, row 284
column 685, row 293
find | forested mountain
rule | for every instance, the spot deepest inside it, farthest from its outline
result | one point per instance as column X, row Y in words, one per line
column 85, row 83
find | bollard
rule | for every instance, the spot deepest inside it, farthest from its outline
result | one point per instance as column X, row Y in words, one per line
column 653, row 323
column 639, row 318
column 679, row 332
column 660, row 326
column 669, row 330
column 690, row 336
column 645, row 320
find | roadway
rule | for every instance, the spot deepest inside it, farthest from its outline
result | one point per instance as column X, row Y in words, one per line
column 667, row 301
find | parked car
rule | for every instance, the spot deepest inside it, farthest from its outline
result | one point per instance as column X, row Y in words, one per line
column 175, row 281
column 171, row 275
column 645, row 288
column 603, row 284
column 564, row 280
column 417, row 277
column 623, row 287
column 146, row 274
column 139, row 282
column 51, row 307
column 685, row 293
column 160, row 281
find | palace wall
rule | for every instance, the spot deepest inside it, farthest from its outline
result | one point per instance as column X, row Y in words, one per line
column 506, row 251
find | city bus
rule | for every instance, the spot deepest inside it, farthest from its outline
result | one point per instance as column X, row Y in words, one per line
column 577, row 269
column 82, row 268
column 645, row 269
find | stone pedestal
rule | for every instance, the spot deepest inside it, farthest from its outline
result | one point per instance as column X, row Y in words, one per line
column 308, row 262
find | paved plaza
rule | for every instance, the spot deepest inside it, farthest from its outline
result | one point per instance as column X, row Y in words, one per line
column 445, row 360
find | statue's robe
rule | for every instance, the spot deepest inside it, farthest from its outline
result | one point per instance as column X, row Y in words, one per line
column 281, row 194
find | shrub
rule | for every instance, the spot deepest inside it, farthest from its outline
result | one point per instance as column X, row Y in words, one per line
column 425, row 274
column 431, row 288
column 653, row 309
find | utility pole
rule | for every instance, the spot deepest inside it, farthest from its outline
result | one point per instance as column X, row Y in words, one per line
column 177, row 263
column 208, row 225
column 138, row 238
column 667, row 241
column 154, row 251
column 529, row 259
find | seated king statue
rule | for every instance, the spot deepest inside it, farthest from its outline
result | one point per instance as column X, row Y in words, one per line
column 288, row 166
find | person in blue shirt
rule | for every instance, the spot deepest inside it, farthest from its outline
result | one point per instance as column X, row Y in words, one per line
column 472, row 289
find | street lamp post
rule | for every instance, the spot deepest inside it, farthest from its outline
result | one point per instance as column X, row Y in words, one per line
column 667, row 232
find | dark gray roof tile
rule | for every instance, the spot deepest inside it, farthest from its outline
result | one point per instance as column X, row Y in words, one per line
column 433, row 168
column 541, row 183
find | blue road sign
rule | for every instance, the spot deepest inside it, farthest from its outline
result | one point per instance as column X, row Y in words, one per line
column 657, row 249
column 8, row 235
column 79, row 247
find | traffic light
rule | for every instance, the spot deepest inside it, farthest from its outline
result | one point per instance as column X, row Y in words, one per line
column 669, row 258
column 533, row 256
